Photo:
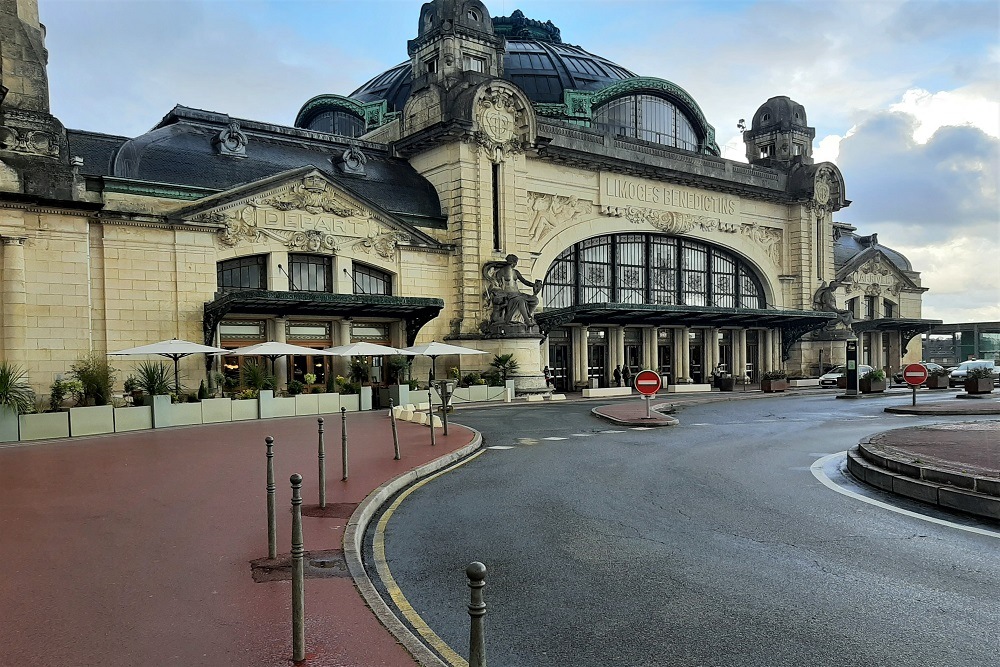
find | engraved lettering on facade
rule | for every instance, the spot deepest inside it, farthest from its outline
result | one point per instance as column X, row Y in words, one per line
column 647, row 193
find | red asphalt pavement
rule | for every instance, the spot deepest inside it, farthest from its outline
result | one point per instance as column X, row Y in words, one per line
column 135, row 549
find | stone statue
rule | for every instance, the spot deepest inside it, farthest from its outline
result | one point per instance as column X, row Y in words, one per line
column 825, row 300
column 512, row 310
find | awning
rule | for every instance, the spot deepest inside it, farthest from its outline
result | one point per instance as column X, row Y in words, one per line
column 907, row 327
column 415, row 311
column 793, row 323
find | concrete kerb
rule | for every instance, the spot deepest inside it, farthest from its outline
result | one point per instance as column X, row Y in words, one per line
column 354, row 534
column 660, row 420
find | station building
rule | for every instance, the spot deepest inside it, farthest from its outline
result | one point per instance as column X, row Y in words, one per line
column 501, row 189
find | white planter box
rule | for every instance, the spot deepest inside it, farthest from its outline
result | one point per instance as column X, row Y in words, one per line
column 495, row 393
column 350, row 401
column 92, row 421
column 607, row 391
column 366, row 398
column 479, row 392
column 462, row 395
column 133, row 419
column 216, row 410
column 8, row 425
column 328, row 404
column 307, row 404
column 814, row 382
column 275, row 407
column 244, row 410
column 44, row 426
column 688, row 388
column 162, row 414
column 185, row 414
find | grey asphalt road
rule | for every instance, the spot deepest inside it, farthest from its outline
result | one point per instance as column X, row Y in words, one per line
column 710, row 543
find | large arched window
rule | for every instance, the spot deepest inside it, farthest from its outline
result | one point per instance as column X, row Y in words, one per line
column 369, row 280
column 650, row 269
column 338, row 122
column 242, row 273
column 649, row 118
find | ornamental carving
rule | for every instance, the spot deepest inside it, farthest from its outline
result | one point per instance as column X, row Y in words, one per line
column 551, row 211
column 312, row 195
column 512, row 312
column 874, row 278
column 768, row 238
column 499, row 121
column 231, row 141
column 384, row 244
column 670, row 222
column 32, row 142
column 352, row 161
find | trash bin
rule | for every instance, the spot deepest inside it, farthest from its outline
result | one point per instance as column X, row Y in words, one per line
column 665, row 379
column 594, row 383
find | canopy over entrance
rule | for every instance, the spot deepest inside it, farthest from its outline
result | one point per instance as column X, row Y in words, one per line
column 906, row 327
column 793, row 323
column 415, row 311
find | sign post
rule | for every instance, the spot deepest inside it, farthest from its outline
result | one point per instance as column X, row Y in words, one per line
column 914, row 375
column 647, row 383
column 852, row 367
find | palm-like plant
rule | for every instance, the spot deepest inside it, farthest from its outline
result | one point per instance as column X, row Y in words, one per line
column 506, row 364
column 154, row 377
column 15, row 392
column 255, row 376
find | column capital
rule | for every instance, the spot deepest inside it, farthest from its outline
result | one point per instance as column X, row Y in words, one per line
column 13, row 240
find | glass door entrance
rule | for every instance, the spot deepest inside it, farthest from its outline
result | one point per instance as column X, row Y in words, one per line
column 697, row 357
column 559, row 364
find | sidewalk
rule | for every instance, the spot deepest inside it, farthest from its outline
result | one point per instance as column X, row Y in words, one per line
column 135, row 549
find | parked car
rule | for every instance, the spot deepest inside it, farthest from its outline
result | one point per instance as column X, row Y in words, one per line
column 957, row 377
column 830, row 379
column 929, row 365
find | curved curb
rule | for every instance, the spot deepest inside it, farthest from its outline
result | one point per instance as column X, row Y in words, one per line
column 354, row 534
column 968, row 411
column 952, row 490
column 662, row 420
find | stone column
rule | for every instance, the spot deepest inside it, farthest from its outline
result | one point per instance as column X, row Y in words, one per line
column 616, row 345
column 14, row 320
column 580, row 355
column 281, row 363
column 649, row 350
column 767, row 351
column 739, row 352
column 779, row 362
column 685, row 351
column 711, row 350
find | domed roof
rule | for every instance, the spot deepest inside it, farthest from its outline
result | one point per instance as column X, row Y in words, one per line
column 536, row 61
column 849, row 245
column 779, row 112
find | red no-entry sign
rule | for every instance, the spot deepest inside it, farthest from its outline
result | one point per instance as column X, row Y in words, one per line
column 647, row 382
column 914, row 374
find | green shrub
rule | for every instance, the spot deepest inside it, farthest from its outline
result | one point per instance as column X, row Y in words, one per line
column 295, row 388
column 59, row 391
column 255, row 376
column 202, row 391
column 979, row 374
column 493, row 378
column 506, row 364
column 395, row 369
column 15, row 392
column 357, row 370
column 774, row 375
column 939, row 373
column 345, row 386
column 155, row 378
column 97, row 377
column 876, row 375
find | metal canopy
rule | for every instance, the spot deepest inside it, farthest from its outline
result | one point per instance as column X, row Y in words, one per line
column 415, row 311
column 689, row 316
column 907, row 327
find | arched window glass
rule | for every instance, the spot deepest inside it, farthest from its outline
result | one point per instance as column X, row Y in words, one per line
column 338, row 122
column 242, row 273
column 369, row 280
column 650, row 269
column 310, row 273
column 649, row 118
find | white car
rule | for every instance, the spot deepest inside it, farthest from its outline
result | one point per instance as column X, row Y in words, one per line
column 830, row 379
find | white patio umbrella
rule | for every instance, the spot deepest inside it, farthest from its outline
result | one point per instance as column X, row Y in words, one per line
column 273, row 349
column 435, row 349
column 172, row 349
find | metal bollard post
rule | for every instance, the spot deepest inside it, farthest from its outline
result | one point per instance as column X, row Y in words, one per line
column 444, row 405
column 298, row 574
column 272, row 521
column 343, row 438
column 477, row 610
column 430, row 413
column 395, row 434
column 322, row 466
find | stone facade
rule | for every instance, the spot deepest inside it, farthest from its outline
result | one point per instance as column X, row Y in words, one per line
column 102, row 252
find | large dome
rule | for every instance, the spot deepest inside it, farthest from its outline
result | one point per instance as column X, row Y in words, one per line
column 536, row 61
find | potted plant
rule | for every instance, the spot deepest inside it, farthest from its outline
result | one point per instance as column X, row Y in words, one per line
column 726, row 382
column 309, row 378
column 938, row 379
column 154, row 378
column 774, row 381
column 295, row 388
column 132, row 388
column 15, row 392
column 506, row 364
column 979, row 381
column 872, row 382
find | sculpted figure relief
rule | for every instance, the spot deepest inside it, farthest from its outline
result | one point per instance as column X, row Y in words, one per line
column 825, row 299
column 512, row 310
column 552, row 210
column 232, row 140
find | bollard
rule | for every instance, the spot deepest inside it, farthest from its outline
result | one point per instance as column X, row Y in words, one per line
column 444, row 405
column 272, row 521
column 298, row 574
column 395, row 434
column 343, row 439
column 430, row 414
column 322, row 466
column 477, row 610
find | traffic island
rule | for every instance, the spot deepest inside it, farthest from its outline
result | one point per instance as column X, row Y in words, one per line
column 630, row 414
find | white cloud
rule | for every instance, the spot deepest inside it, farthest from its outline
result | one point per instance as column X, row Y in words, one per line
column 933, row 111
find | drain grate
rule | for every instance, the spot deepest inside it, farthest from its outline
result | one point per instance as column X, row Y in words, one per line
column 317, row 565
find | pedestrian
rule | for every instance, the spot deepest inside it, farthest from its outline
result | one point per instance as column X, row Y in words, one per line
column 618, row 375
column 548, row 377
column 627, row 376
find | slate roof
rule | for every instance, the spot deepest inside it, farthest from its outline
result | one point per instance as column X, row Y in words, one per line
column 180, row 151
column 97, row 150
column 850, row 245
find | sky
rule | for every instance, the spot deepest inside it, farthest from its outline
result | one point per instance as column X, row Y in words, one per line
column 904, row 96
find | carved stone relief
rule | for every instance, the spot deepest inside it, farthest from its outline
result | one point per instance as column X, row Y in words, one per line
column 874, row 278
column 231, row 141
column 768, row 238
column 552, row 211
column 670, row 222
column 312, row 195
column 352, row 161
column 499, row 120
column 32, row 142
column 383, row 245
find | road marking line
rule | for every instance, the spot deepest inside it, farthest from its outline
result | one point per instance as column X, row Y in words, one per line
column 554, row 438
column 382, row 567
column 500, row 447
column 612, row 431
column 581, row 435
column 641, row 428
column 820, row 474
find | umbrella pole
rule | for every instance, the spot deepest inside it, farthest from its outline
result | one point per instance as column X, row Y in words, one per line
column 177, row 375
